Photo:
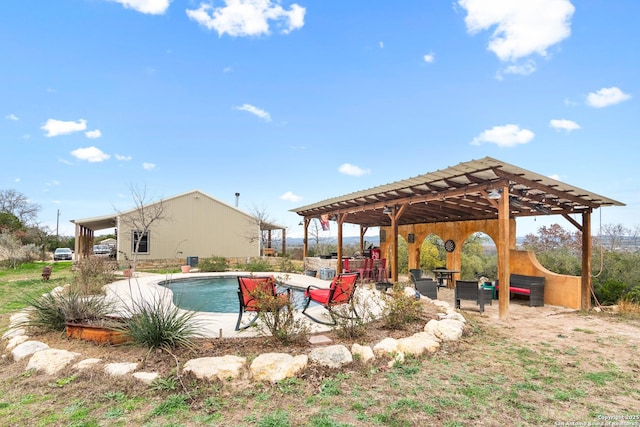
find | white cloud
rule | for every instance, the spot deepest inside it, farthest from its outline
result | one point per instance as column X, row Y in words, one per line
column 248, row 17
column 11, row 117
column 555, row 176
column 522, row 28
column 150, row 7
column 58, row 127
column 563, row 124
column 17, row 180
column 148, row 166
column 90, row 154
column 429, row 58
column 122, row 158
column 504, row 136
column 352, row 170
column 381, row 44
column 524, row 69
column 290, row 197
column 255, row 111
column 93, row 134
column 606, row 96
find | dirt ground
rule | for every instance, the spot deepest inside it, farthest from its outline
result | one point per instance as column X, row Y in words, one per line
column 590, row 338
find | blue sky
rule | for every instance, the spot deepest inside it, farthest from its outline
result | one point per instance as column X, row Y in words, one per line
column 293, row 102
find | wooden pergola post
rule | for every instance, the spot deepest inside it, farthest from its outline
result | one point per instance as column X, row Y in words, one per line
column 504, row 251
column 585, row 288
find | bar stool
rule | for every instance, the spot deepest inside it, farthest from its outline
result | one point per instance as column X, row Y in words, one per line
column 346, row 269
column 382, row 271
column 365, row 271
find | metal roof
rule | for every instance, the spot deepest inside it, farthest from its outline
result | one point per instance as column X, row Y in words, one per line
column 110, row 221
column 460, row 193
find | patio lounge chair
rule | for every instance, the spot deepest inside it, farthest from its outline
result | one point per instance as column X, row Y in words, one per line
column 340, row 292
column 426, row 286
column 251, row 294
column 470, row 290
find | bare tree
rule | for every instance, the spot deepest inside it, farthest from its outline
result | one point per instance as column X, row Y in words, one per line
column 613, row 235
column 140, row 220
column 18, row 204
column 314, row 232
column 261, row 218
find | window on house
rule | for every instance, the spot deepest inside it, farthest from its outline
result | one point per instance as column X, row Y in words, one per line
column 144, row 242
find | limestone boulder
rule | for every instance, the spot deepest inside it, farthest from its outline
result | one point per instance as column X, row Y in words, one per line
column 120, row 369
column 146, row 377
column 51, row 360
column 16, row 341
column 26, row 349
column 87, row 363
column 222, row 368
column 418, row 344
column 364, row 352
column 445, row 329
column 274, row 367
column 333, row 356
column 386, row 346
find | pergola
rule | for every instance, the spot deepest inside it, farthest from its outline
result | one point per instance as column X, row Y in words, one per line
column 479, row 190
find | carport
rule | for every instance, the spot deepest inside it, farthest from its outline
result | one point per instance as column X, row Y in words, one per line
column 485, row 195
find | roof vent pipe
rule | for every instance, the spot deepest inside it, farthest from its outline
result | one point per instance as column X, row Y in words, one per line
column 237, row 197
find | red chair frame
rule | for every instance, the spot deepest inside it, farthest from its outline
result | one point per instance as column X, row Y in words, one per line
column 340, row 292
column 248, row 288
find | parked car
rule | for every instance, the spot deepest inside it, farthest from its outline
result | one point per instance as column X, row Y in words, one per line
column 63, row 254
column 101, row 250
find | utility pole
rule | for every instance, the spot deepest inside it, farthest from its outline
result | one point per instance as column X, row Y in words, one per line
column 57, row 225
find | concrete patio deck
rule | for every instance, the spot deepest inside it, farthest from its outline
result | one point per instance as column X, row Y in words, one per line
column 145, row 287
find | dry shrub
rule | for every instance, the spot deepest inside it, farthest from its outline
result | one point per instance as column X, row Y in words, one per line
column 92, row 273
column 629, row 308
column 400, row 308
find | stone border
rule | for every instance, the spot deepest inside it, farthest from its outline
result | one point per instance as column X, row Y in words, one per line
column 267, row 367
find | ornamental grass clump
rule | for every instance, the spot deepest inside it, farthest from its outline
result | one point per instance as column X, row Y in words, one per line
column 53, row 310
column 159, row 324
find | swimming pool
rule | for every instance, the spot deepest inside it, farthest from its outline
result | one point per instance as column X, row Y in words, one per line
column 214, row 294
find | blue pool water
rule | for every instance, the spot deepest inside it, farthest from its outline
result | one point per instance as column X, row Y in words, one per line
column 217, row 294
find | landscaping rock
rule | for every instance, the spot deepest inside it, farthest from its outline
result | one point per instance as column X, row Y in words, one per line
column 15, row 341
column 146, row 377
column 119, row 369
column 51, row 360
column 274, row 367
column 386, row 346
column 27, row 348
column 87, row 363
column 13, row 332
column 418, row 344
column 333, row 356
column 364, row 352
column 222, row 368
column 445, row 329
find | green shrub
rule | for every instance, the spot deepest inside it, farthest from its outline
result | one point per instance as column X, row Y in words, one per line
column 400, row 308
column 256, row 266
column 610, row 291
column 278, row 317
column 155, row 323
column 213, row 264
